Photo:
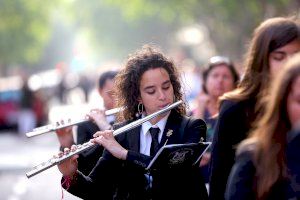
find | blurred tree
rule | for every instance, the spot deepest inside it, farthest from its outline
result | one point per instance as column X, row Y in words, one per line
column 114, row 35
column 118, row 27
column 230, row 22
column 59, row 46
column 24, row 29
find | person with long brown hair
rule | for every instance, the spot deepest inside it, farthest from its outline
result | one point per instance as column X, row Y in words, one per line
column 260, row 171
column 148, row 83
column 273, row 42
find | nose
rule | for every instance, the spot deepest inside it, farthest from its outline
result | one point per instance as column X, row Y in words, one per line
column 161, row 95
column 220, row 80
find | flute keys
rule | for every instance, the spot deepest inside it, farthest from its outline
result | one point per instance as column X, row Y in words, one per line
column 60, row 154
column 66, row 154
column 73, row 148
column 66, row 150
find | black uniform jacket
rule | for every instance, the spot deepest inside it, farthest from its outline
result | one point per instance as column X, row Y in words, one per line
column 233, row 124
column 112, row 178
column 242, row 182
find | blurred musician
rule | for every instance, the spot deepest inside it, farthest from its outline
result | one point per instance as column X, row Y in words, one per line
column 99, row 121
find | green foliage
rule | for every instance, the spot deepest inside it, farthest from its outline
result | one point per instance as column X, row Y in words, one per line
column 24, row 28
column 118, row 27
column 114, row 35
column 230, row 22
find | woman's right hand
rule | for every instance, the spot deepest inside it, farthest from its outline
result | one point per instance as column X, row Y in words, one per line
column 68, row 167
column 108, row 141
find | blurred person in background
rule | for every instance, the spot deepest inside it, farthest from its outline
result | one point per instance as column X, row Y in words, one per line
column 218, row 78
column 40, row 107
column 263, row 168
column 26, row 117
column 86, row 85
column 273, row 42
column 99, row 121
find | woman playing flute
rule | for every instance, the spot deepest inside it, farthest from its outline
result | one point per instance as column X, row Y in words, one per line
column 148, row 83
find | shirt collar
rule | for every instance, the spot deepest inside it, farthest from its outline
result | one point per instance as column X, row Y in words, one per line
column 111, row 119
column 161, row 124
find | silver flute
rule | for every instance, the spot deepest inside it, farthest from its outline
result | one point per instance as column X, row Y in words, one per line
column 80, row 148
column 56, row 126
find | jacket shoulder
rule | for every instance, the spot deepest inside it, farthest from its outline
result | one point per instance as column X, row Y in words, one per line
column 195, row 121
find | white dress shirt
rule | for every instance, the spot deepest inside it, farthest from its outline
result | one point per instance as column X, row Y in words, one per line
column 145, row 136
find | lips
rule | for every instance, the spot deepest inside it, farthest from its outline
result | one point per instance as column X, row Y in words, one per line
column 163, row 106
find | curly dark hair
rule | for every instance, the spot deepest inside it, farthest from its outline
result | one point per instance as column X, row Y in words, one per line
column 128, row 80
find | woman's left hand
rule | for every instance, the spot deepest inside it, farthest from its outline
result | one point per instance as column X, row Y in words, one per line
column 108, row 141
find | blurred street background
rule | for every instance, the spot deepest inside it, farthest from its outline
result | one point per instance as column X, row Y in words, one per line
column 17, row 156
column 52, row 53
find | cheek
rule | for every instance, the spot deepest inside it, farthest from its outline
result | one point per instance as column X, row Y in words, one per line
column 210, row 84
column 275, row 66
column 228, row 85
column 143, row 97
column 171, row 93
column 105, row 97
column 294, row 113
column 146, row 98
column 209, row 88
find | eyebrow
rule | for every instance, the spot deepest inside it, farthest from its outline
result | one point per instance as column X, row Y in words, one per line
column 152, row 86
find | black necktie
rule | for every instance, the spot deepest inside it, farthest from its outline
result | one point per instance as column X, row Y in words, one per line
column 154, row 144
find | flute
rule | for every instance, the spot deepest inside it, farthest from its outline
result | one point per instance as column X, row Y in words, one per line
column 80, row 148
column 55, row 126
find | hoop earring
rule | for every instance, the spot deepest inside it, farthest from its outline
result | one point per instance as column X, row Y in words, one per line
column 140, row 108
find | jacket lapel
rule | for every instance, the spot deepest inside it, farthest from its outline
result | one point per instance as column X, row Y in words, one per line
column 171, row 131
